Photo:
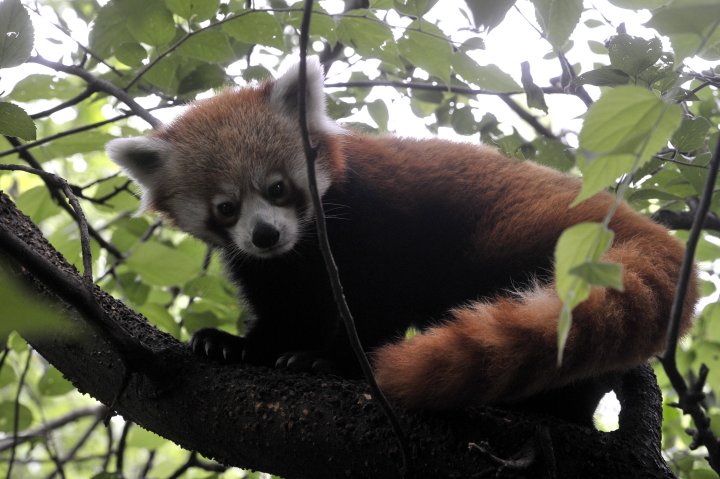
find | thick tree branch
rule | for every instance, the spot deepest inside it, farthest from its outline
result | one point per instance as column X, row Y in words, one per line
column 297, row 425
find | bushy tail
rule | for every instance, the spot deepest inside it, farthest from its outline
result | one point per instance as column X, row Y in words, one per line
column 503, row 351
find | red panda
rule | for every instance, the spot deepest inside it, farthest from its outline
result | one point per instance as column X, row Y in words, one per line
column 454, row 239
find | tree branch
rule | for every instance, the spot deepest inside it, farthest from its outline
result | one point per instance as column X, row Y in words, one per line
column 288, row 424
column 325, row 248
column 691, row 396
column 98, row 84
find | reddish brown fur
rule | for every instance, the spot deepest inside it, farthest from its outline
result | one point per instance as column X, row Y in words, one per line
column 501, row 349
column 506, row 350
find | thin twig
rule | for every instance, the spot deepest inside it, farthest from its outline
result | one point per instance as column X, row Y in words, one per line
column 434, row 87
column 62, row 184
column 16, row 418
column 120, row 452
column 691, row 396
column 66, row 104
column 30, row 160
column 29, row 434
column 338, row 295
column 98, row 84
column 529, row 118
column 32, row 144
column 80, row 45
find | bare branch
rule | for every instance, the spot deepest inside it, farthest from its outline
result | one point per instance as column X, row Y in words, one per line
column 98, row 84
column 691, row 396
column 20, row 147
column 324, row 243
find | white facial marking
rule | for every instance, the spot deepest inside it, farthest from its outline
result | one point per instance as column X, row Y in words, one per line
column 256, row 209
column 190, row 215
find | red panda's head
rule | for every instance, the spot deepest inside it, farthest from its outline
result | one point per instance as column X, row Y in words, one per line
column 231, row 170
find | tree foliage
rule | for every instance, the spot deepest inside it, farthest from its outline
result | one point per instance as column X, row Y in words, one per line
column 641, row 74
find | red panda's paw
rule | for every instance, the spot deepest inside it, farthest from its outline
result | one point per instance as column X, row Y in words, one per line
column 307, row 361
column 218, row 345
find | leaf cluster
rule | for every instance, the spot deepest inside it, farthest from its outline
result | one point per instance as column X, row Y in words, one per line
column 647, row 130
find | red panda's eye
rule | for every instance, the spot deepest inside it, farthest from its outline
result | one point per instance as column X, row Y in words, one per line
column 276, row 190
column 228, row 209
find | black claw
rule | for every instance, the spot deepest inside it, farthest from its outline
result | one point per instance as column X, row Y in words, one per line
column 217, row 345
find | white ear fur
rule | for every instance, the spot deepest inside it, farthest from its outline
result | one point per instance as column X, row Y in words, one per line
column 144, row 159
column 283, row 97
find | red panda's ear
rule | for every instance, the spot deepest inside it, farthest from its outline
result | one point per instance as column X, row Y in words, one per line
column 144, row 159
column 284, row 96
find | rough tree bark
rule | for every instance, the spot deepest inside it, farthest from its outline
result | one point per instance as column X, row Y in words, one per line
column 297, row 425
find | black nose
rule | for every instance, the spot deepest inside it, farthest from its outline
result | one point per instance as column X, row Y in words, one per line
column 265, row 235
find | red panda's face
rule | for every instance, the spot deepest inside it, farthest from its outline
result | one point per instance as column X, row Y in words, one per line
column 231, row 170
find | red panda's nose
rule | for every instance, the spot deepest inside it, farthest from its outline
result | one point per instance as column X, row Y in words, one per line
column 265, row 235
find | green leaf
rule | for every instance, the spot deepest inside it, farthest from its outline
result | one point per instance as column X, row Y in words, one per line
column 602, row 172
column 633, row 54
column 164, row 74
column 414, row 8
column 7, row 376
column 158, row 315
column 194, row 320
column 37, row 203
column 109, row 29
column 552, row 153
column 107, row 475
column 322, row 25
column 426, row 46
column 52, row 383
column 685, row 17
column 15, row 122
column 84, row 142
column 212, row 288
column 366, row 35
column 692, row 134
column 197, row 10
column 534, row 94
column 463, row 121
column 638, row 4
column 489, row 14
column 379, row 112
column 488, row 77
column 149, row 22
column 24, row 311
column 600, row 274
column 131, row 54
column 204, row 77
column 579, row 244
column 16, row 34
column 142, row 438
column 7, row 417
column 45, row 87
column 629, row 119
column 160, row 265
column 558, row 19
column 603, row 76
column 255, row 28
column 473, row 43
column 210, row 45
